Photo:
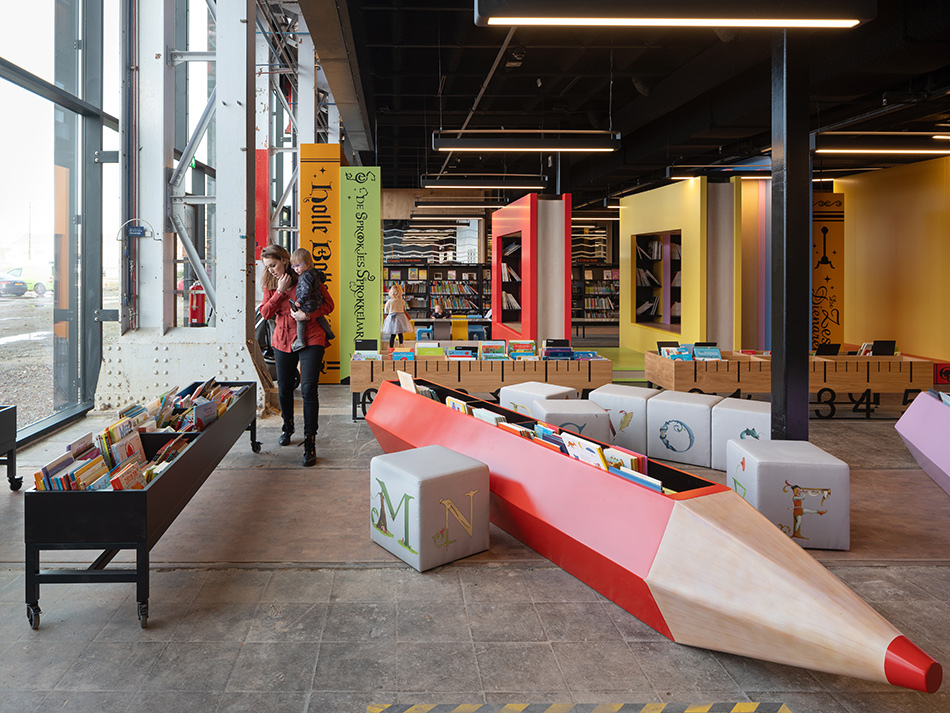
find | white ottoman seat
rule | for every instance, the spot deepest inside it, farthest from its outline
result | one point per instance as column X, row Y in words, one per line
column 738, row 418
column 585, row 418
column 429, row 505
column 519, row 397
column 679, row 427
column 805, row 491
column 626, row 407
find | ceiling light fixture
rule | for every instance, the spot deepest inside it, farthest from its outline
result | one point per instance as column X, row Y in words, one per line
column 486, row 181
column 444, row 217
column 890, row 150
column 685, row 13
column 460, row 203
column 525, row 141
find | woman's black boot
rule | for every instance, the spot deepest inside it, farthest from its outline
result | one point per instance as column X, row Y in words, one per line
column 285, row 434
column 309, row 452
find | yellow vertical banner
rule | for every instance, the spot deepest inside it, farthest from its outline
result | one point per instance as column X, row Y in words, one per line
column 827, row 286
column 320, row 231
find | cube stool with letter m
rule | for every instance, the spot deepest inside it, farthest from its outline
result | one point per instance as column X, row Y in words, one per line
column 429, row 505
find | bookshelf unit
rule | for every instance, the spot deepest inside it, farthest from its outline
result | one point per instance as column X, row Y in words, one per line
column 595, row 292
column 111, row 521
column 464, row 288
column 511, row 270
column 658, row 278
column 413, row 278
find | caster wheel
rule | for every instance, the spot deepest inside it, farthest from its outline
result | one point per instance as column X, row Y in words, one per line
column 143, row 615
column 33, row 614
column 16, row 483
column 256, row 446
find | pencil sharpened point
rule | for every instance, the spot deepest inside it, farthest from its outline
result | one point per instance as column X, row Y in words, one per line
column 905, row 664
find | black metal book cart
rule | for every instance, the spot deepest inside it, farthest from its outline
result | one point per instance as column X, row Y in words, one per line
column 112, row 521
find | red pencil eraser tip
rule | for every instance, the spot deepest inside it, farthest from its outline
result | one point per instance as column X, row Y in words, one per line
column 905, row 664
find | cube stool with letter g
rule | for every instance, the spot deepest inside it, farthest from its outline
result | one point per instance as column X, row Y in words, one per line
column 429, row 505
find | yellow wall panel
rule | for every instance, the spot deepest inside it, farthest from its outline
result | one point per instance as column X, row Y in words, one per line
column 897, row 245
column 680, row 206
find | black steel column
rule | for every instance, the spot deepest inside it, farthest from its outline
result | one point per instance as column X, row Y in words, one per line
column 791, row 238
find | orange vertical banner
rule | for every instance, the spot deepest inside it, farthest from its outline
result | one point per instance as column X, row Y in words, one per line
column 827, row 285
column 320, row 231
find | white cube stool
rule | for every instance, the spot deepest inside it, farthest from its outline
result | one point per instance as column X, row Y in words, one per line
column 797, row 486
column 519, row 397
column 679, row 427
column 627, row 408
column 429, row 505
column 741, row 419
column 585, row 418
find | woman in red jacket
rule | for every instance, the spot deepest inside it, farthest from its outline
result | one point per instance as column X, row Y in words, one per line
column 279, row 283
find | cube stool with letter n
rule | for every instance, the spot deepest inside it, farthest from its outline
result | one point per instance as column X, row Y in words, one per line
column 738, row 418
column 429, row 505
column 679, row 427
column 627, row 408
column 805, row 491
column 585, row 418
column 519, row 397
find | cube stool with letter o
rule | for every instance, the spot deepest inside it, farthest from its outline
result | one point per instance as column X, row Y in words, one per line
column 805, row 491
column 585, row 418
column 738, row 418
column 429, row 505
column 519, row 397
column 679, row 427
column 627, row 408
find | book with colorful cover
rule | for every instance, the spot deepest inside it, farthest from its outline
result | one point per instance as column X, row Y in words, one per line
column 487, row 416
column 403, row 356
column 517, row 429
column 707, row 354
column 365, row 355
column 492, row 349
column 456, row 404
column 638, row 478
column 128, row 447
column 584, row 450
column 620, row 457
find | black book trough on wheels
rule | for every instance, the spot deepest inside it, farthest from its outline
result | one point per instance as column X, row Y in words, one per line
column 112, row 521
column 8, row 445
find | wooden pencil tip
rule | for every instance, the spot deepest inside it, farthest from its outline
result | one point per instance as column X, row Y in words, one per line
column 905, row 664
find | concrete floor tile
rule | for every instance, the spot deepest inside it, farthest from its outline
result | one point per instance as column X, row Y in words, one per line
column 177, row 702
column 577, row 621
column 893, row 700
column 518, row 667
column 12, row 701
column 280, row 667
column 502, row 698
column 364, row 667
column 192, row 666
column 443, row 666
column 347, row 702
column 441, row 584
column 233, row 585
column 553, row 584
column 600, row 666
column 65, row 620
column 222, row 622
column 431, row 621
column 754, row 674
column 85, row 702
column 500, row 584
column 800, row 701
column 631, row 628
column 368, row 585
column 505, row 621
column 665, row 663
column 37, row 665
column 360, row 622
column 260, row 702
column 288, row 622
column 299, row 585
column 111, row 667
column 880, row 584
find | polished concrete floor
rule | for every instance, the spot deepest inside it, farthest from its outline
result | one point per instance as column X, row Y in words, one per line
column 267, row 595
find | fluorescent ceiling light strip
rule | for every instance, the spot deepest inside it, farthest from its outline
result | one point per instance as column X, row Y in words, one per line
column 885, row 151
column 843, row 23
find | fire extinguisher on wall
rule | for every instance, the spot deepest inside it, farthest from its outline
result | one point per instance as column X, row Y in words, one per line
column 196, row 306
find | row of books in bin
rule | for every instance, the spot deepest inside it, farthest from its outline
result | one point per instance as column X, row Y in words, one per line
column 114, row 458
column 613, row 459
column 498, row 349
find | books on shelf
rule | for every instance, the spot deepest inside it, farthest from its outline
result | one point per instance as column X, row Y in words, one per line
column 707, row 354
column 677, row 280
column 365, row 355
column 492, row 349
column 456, row 404
column 649, row 306
column 584, row 450
column 508, row 301
column 487, row 416
column 512, row 248
column 508, row 273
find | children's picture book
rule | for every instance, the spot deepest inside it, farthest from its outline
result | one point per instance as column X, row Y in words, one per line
column 588, row 274
column 413, row 273
column 638, row 478
column 128, row 447
column 365, row 355
column 620, row 457
column 423, row 273
column 403, row 355
column 492, row 349
column 450, row 275
column 517, row 429
column 395, row 274
column 707, row 354
column 456, row 404
column 584, row 450
column 487, row 416
column 681, row 353
column 406, row 381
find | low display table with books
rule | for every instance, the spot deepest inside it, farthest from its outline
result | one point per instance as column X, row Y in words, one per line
column 115, row 520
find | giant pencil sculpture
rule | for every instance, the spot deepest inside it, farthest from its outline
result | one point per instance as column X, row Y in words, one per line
column 702, row 567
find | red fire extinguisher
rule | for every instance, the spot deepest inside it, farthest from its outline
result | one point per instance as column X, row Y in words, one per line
column 196, row 306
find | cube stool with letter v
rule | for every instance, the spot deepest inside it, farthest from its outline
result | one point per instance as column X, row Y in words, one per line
column 519, row 397
column 429, row 505
column 627, row 408
column 796, row 485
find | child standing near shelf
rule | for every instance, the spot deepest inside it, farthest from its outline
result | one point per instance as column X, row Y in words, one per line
column 397, row 321
column 309, row 296
column 439, row 311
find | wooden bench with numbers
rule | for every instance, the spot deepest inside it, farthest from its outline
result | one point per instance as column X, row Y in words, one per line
column 476, row 377
column 863, row 378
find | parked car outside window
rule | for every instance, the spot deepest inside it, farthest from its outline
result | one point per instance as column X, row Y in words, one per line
column 37, row 276
column 10, row 285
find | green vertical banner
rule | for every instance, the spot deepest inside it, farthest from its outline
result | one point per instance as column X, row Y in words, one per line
column 361, row 259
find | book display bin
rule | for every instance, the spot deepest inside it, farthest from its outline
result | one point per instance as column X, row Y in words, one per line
column 127, row 519
column 8, row 445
